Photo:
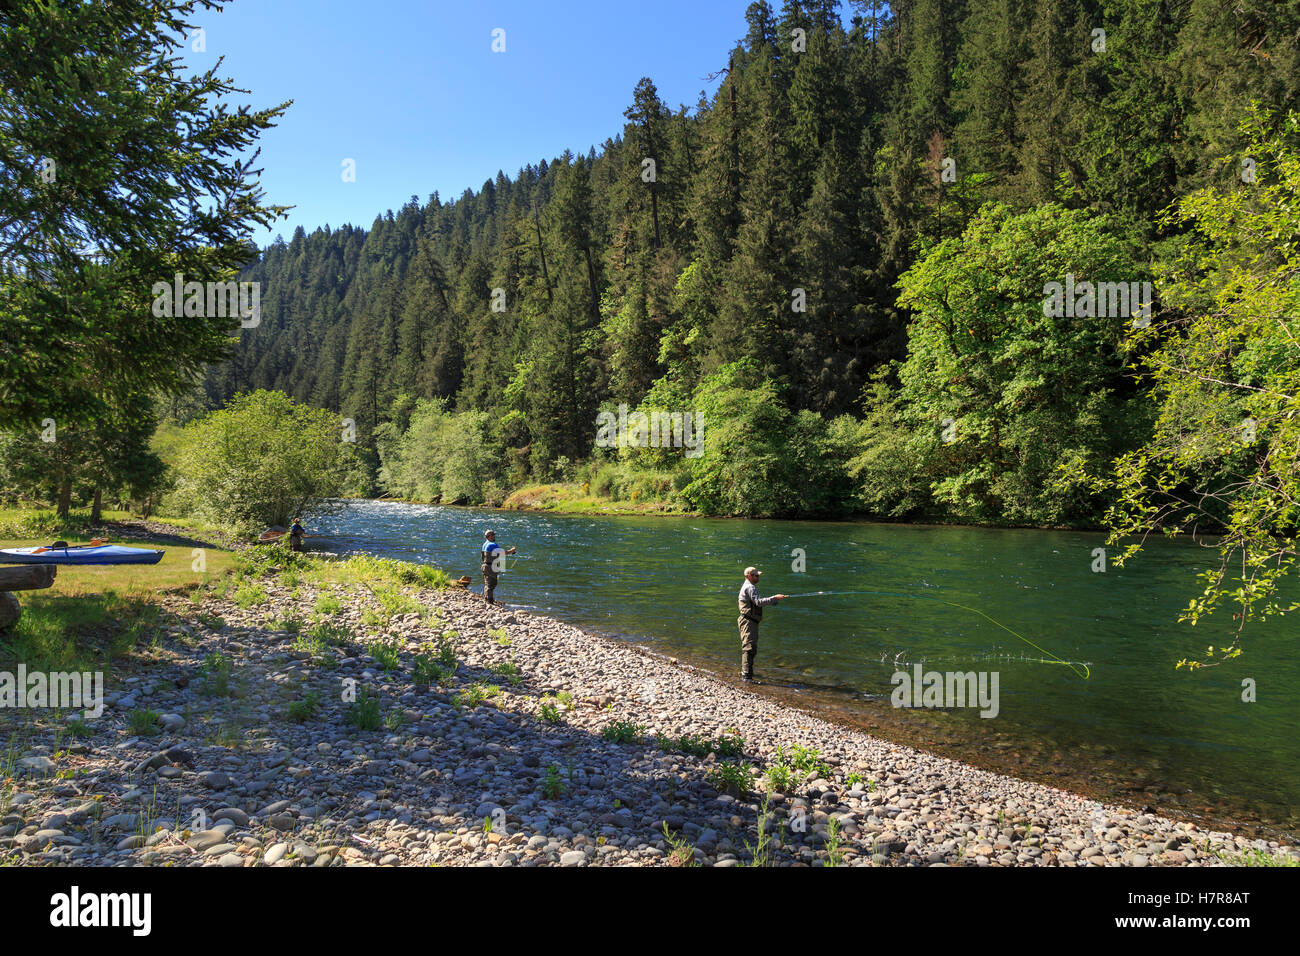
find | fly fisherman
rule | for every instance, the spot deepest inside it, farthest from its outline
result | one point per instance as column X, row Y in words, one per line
column 751, row 612
column 491, row 560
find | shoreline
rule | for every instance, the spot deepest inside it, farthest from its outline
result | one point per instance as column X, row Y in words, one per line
column 462, row 774
column 841, row 519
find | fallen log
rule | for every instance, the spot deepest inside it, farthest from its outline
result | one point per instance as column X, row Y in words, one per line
column 27, row 577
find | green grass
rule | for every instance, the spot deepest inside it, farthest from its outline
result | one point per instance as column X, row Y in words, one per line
column 1253, row 857
column 729, row 744
column 395, row 602
column 288, row 623
column 436, row 660
column 387, row 654
column 371, row 571
column 45, row 523
column 510, row 671
column 305, row 708
column 143, row 722
column 363, row 713
column 327, row 604
column 476, row 694
column 92, row 615
column 335, row 635
column 249, row 594
column 216, row 672
column 317, row 649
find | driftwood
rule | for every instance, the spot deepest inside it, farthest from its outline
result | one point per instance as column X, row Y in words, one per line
column 23, row 577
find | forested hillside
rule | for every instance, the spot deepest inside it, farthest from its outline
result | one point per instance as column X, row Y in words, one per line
column 741, row 257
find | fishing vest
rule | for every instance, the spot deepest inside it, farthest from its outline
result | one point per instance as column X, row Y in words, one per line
column 749, row 608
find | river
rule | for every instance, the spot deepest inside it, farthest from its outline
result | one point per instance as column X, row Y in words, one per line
column 1115, row 720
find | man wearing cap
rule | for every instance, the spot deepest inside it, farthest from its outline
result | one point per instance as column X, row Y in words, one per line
column 751, row 612
column 491, row 559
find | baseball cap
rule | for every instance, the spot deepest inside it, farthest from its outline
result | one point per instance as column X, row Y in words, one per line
column 752, row 570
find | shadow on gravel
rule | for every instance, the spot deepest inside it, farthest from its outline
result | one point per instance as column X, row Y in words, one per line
column 266, row 731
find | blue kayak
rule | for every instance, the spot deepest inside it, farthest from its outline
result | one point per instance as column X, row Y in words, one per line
column 100, row 554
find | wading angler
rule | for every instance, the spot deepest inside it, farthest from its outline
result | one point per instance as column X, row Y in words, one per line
column 242, row 300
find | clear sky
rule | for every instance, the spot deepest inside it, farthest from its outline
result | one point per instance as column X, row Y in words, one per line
column 413, row 92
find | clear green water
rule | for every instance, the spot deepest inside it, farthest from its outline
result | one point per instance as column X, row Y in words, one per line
column 1135, row 731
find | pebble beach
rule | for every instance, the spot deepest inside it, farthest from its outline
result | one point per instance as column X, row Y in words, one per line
column 543, row 745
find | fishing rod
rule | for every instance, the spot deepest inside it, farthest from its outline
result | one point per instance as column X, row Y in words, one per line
column 1086, row 673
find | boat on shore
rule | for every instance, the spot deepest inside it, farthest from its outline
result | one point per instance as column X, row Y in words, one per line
column 93, row 553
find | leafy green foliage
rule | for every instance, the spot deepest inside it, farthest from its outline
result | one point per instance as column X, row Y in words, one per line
column 260, row 461
column 995, row 393
column 80, row 336
column 623, row 732
column 1225, row 369
column 759, row 458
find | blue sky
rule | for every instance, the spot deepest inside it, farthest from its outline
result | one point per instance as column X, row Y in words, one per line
column 413, row 92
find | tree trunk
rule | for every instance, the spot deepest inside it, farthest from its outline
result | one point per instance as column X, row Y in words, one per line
column 654, row 213
column 65, row 497
column 591, row 283
column 542, row 253
column 97, row 505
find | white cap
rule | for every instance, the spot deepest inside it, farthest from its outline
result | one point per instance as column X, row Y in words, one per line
column 749, row 571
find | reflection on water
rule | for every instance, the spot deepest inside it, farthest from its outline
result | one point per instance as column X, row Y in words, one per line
column 1135, row 730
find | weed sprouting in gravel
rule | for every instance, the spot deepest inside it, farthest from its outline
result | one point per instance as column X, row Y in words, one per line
column 363, row 713
column 623, row 732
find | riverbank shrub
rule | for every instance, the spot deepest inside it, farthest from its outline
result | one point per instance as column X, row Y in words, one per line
column 1224, row 366
column 444, row 455
column 759, row 458
column 996, row 393
column 262, row 460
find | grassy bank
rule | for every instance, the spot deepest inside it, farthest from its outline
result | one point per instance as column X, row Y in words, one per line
column 45, row 524
column 96, row 617
column 573, row 498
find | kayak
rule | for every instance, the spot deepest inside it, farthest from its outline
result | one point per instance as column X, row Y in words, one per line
column 98, row 554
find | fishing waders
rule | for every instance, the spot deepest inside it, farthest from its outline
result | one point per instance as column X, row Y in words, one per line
column 748, row 645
